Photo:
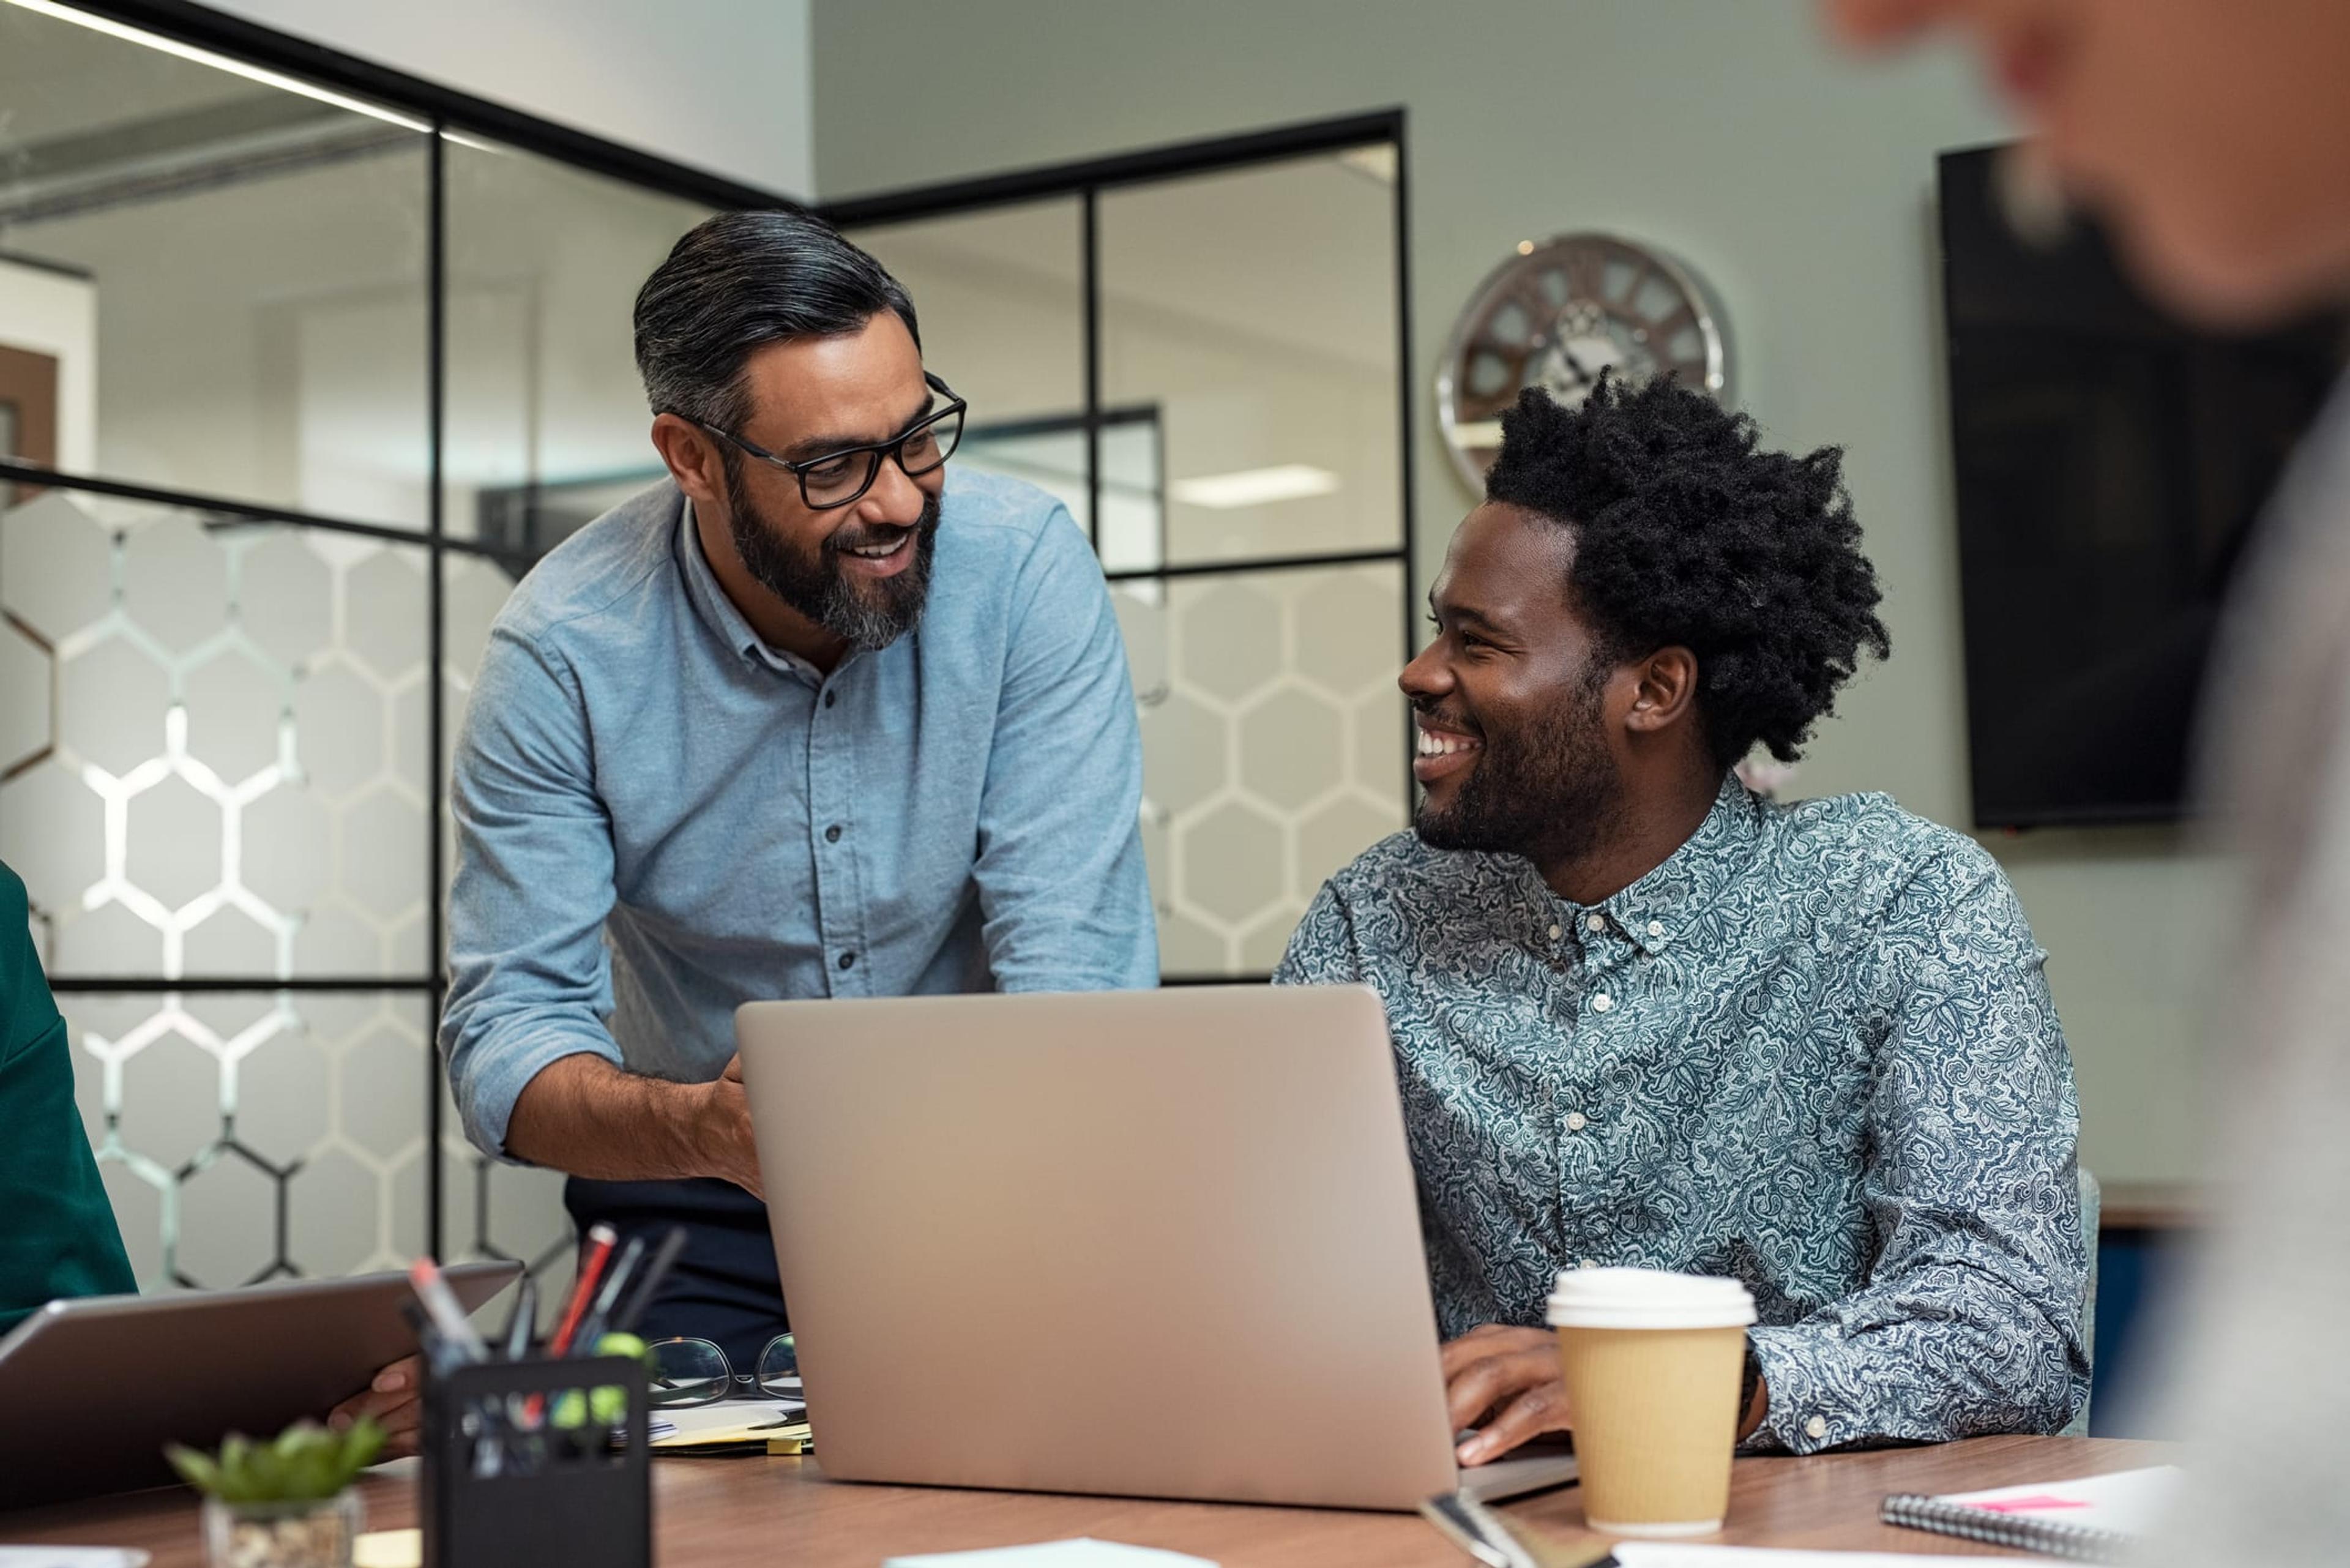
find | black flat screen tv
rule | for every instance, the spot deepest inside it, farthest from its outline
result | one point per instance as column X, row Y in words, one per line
column 2109, row 465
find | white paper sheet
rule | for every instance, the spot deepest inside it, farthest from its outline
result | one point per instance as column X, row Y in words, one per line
column 2129, row 1501
column 1677, row 1554
column 1082, row 1552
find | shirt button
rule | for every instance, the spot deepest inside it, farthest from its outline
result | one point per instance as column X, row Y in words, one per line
column 1556, row 932
column 1594, row 922
column 1655, row 927
column 1586, row 1263
column 1817, row 1427
column 832, row 834
column 1574, row 1122
column 830, row 698
column 1602, row 1002
column 849, row 960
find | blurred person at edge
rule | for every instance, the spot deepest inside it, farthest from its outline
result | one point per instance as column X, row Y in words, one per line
column 2213, row 136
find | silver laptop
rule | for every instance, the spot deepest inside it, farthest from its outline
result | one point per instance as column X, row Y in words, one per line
column 1146, row 1244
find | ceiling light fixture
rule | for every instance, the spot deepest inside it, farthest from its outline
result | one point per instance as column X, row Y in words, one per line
column 218, row 62
column 1254, row 486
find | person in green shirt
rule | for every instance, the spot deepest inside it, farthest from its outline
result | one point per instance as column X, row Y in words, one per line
column 58, row 1234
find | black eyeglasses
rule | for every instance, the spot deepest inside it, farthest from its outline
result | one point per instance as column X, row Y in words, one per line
column 696, row 1372
column 840, row 478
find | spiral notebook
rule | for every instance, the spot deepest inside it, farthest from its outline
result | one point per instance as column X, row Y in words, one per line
column 2097, row 1519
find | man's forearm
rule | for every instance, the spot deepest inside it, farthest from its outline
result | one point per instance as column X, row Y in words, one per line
column 587, row 1117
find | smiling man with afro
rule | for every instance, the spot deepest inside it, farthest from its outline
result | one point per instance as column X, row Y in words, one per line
column 1644, row 1017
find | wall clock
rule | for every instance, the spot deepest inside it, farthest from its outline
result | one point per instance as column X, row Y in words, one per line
column 1557, row 313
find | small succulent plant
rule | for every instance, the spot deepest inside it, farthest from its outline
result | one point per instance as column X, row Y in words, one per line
column 307, row 1463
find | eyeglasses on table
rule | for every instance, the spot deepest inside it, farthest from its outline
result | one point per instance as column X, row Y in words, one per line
column 696, row 1372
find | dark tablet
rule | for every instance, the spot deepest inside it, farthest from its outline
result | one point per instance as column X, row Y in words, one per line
column 90, row 1390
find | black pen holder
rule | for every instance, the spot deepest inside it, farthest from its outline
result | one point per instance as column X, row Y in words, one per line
column 538, row 1461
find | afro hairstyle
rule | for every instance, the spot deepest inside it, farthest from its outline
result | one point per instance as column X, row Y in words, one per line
column 1685, row 535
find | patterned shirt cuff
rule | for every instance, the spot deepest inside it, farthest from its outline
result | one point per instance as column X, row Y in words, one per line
column 1805, row 1415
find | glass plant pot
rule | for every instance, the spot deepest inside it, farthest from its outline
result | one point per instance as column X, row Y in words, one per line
column 315, row 1534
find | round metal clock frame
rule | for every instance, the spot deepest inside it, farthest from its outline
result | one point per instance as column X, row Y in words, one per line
column 1554, row 316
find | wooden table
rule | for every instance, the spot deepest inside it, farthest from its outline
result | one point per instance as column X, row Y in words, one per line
column 729, row 1511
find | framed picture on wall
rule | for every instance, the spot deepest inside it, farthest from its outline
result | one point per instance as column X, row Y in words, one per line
column 48, row 385
column 28, row 415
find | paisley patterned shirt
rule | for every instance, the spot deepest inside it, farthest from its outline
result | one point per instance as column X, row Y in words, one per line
column 1813, row 1050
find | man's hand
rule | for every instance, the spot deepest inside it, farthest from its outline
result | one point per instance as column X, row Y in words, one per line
column 1505, row 1382
column 396, row 1400
column 730, row 1111
column 591, row 1118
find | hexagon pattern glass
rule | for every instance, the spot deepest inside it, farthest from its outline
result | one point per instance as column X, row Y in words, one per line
column 215, row 785
column 251, row 1136
column 246, row 1138
column 1273, row 748
column 224, row 774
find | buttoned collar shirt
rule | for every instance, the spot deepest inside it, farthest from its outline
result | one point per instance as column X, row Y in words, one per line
column 1813, row 1051
column 661, row 817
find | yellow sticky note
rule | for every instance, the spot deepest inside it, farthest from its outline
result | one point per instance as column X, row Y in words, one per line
column 388, row 1549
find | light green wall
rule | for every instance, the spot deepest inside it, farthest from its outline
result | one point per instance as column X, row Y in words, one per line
column 1797, row 183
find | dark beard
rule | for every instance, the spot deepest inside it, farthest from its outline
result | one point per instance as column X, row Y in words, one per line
column 867, row 613
column 1549, row 792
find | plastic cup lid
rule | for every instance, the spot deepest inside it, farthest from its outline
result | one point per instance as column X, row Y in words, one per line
column 1647, row 1298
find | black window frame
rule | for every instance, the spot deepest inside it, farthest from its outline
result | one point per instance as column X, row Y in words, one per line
column 1086, row 179
column 446, row 110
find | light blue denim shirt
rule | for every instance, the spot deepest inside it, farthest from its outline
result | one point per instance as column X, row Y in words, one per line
column 1813, row 1051
column 659, row 817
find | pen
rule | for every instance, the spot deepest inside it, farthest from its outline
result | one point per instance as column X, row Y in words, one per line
column 649, row 1282
column 616, row 1280
column 600, row 1238
column 523, row 1321
column 434, row 1349
column 432, row 1290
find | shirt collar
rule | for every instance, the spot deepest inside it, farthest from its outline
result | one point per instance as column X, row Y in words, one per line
column 718, row 612
column 1658, row 907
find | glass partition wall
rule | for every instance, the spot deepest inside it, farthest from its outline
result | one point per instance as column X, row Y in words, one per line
column 291, row 362
column 302, row 363
column 1199, row 349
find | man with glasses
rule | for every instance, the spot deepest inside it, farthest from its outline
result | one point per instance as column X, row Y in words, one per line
column 818, row 716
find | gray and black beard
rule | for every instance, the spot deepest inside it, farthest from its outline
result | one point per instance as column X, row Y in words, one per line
column 866, row 612
column 1550, row 793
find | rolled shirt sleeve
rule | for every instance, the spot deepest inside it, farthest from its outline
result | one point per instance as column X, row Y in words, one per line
column 529, row 976
column 1970, row 1320
column 1063, row 890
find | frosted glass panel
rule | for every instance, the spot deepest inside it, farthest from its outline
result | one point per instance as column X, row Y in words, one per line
column 1273, row 748
column 547, row 423
column 507, row 1211
column 246, row 1138
column 1254, row 309
column 202, row 769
